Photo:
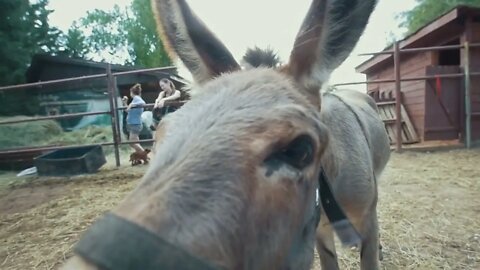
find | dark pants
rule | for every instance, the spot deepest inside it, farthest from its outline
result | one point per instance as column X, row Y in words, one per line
column 159, row 113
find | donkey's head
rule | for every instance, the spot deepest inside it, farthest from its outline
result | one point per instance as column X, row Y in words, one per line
column 234, row 176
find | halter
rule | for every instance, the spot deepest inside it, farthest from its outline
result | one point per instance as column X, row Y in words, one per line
column 336, row 216
column 115, row 243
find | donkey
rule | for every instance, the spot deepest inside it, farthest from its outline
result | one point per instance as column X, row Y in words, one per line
column 234, row 179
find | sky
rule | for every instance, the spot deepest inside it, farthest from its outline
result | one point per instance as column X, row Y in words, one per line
column 262, row 23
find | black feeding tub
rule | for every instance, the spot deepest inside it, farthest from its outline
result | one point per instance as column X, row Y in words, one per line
column 71, row 161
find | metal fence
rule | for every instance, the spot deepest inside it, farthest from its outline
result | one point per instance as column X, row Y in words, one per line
column 113, row 110
column 397, row 52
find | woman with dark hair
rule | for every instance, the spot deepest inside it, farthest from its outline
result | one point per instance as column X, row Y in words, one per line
column 169, row 92
column 134, row 116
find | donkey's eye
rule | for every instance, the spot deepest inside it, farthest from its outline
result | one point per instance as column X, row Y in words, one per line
column 298, row 154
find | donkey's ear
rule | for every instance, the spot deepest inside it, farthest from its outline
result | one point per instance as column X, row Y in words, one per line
column 185, row 35
column 327, row 36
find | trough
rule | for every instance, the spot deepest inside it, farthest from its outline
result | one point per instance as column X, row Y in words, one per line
column 20, row 158
column 71, row 161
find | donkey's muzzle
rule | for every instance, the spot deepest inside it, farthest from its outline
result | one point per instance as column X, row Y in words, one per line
column 114, row 243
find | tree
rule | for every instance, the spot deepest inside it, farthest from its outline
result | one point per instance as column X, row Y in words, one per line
column 106, row 33
column 74, row 43
column 427, row 10
column 24, row 31
column 130, row 32
column 390, row 38
column 146, row 47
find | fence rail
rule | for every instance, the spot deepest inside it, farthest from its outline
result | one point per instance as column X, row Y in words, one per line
column 82, row 78
column 114, row 108
column 111, row 80
column 57, row 147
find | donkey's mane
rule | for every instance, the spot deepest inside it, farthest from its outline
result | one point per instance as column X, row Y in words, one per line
column 256, row 57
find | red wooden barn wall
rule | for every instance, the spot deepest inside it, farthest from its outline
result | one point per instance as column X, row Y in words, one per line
column 415, row 92
column 412, row 65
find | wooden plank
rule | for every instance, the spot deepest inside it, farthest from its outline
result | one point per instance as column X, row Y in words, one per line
column 392, row 111
column 389, row 121
column 391, row 134
column 404, row 135
column 388, row 126
column 416, row 105
column 414, row 71
column 381, row 112
column 411, row 136
column 386, row 111
column 379, row 104
column 417, row 91
column 409, row 124
column 407, row 132
column 414, row 91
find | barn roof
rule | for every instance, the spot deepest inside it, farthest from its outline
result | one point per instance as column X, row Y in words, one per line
column 42, row 61
column 449, row 22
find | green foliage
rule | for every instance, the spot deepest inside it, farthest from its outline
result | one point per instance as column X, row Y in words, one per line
column 132, row 31
column 24, row 31
column 107, row 30
column 17, row 102
column 390, row 39
column 427, row 10
column 74, row 43
column 146, row 48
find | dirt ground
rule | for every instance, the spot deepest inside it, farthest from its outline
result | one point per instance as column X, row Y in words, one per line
column 429, row 213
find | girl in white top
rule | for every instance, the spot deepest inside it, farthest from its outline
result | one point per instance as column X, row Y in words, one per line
column 169, row 92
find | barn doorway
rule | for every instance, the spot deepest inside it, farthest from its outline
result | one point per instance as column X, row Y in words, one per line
column 442, row 104
column 449, row 57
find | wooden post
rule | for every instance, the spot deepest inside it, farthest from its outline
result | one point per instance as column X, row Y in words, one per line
column 468, row 104
column 113, row 112
column 117, row 116
column 398, row 97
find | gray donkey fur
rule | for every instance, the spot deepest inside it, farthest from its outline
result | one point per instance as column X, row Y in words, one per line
column 361, row 151
column 234, row 176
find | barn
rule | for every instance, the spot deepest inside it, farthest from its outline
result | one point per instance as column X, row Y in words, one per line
column 434, row 108
column 88, row 95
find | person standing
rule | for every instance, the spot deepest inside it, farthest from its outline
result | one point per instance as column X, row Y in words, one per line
column 134, row 116
column 168, row 93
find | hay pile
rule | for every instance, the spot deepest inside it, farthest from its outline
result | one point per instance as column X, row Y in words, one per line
column 26, row 134
column 42, row 237
column 428, row 210
column 49, row 132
